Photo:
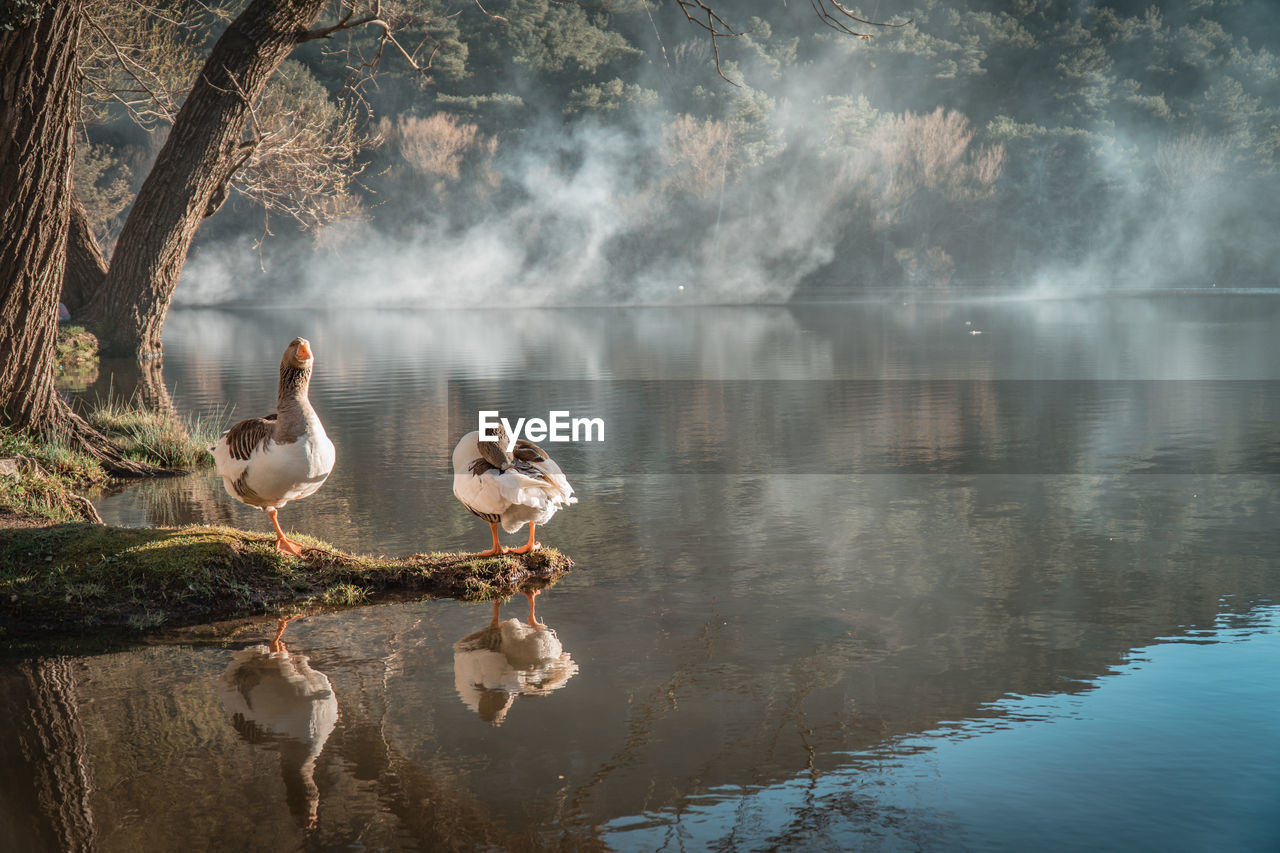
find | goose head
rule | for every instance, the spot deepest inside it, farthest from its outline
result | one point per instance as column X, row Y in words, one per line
column 298, row 355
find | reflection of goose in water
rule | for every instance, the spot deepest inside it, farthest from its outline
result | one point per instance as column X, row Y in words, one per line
column 508, row 659
column 276, row 697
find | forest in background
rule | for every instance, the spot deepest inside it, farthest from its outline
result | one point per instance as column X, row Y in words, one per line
column 559, row 153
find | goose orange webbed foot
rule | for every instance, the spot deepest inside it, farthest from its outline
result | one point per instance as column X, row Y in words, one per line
column 531, row 545
column 288, row 546
column 284, row 544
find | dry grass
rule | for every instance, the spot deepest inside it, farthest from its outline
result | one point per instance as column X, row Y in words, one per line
column 157, row 437
column 698, row 153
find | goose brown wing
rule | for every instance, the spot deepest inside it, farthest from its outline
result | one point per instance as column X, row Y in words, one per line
column 527, row 451
column 249, row 435
column 530, row 470
column 493, row 454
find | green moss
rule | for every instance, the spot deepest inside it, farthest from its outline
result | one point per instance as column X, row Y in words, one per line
column 76, row 576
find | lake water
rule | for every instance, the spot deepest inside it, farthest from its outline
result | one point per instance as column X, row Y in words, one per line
column 848, row 577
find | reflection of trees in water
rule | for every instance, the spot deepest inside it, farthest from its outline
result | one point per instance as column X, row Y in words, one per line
column 195, row 498
column 900, row 602
column 47, row 807
column 917, row 600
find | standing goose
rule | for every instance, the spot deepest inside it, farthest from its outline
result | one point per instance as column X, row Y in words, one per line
column 267, row 462
column 511, row 488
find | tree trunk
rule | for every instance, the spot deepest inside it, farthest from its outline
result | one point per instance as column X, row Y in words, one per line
column 40, row 84
column 86, row 266
column 47, row 786
column 188, row 181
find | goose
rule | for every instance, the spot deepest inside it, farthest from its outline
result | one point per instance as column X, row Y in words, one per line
column 285, row 456
column 511, row 488
column 508, row 659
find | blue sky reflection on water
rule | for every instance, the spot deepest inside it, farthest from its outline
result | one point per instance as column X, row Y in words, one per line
column 1177, row 749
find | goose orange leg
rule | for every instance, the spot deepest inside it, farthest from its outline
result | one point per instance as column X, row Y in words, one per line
column 528, row 546
column 283, row 543
column 533, row 620
column 497, row 546
column 277, row 644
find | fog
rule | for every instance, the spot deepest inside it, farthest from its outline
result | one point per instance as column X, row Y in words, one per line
column 1043, row 151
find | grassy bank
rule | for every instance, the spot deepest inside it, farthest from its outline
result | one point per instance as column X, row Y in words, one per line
column 63, row 571
column 42, row 477
column 82, row 576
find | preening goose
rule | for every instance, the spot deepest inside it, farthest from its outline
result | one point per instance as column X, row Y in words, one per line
column 267, row 462
column 512, row 488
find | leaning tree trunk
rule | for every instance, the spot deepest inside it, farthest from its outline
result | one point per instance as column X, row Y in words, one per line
column 40, row 82
column 86, row 265
column 189, row 179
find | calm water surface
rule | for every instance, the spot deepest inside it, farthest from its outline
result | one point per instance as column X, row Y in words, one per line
column 849, row 577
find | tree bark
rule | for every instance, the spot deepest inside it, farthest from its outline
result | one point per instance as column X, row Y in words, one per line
column 47, row 785
column 40, row 93
column 86, row 265
column 39, row 100
column 204, row 148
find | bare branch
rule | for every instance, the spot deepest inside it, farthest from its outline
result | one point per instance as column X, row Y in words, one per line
column 299, row 157
column 143, row 55
column 348, row 21
column 820, row 7
column 489, row 14
column 702, row 15
column 162, row 101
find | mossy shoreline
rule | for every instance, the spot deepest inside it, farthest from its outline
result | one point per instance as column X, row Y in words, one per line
column 82, row 577
column 63, row 573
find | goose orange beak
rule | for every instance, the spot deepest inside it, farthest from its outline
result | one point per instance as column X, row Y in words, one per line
column 304, row 351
